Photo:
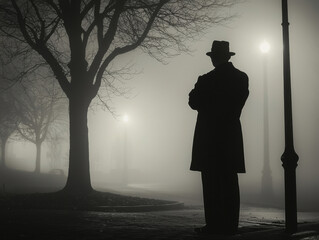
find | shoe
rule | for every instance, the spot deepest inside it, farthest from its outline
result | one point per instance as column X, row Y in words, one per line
column 230, row 232
column 206, row 230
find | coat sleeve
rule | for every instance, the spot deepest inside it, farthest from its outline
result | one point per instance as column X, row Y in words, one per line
column 243, row 93
column 238, row 96
column 195, row 97
column 229, row 99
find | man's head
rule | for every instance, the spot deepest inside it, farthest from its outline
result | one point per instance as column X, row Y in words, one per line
column 219, row 53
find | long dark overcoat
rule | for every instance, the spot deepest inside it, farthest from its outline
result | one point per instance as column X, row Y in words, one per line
column 219, row 97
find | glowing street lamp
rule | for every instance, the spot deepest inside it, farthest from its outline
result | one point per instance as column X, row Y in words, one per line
column 125, row 118
column 264, row 47
column 266, row 183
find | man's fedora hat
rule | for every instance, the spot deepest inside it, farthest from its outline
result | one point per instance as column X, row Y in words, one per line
column 220, row 48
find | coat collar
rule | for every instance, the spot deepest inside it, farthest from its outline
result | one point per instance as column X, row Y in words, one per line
column 224, row 66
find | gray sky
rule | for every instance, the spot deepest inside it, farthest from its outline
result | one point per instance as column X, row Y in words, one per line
column 160, row 128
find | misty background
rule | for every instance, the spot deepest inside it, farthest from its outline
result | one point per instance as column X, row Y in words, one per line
column 150, row 151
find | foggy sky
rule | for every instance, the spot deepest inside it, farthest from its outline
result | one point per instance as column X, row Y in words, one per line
column 160, row 129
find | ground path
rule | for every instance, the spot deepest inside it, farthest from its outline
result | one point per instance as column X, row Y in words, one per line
column 255, row 223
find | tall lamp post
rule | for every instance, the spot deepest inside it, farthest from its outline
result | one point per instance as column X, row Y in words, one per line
column 125, row 120
column 266, row 183
column 289, row 158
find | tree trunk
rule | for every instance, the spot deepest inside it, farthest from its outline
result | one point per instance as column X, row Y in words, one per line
column 38, row 158
column 79, row 170
column 3, row 153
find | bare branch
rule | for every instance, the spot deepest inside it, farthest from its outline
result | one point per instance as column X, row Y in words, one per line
column 42, row 22
column 88, row 7
column 122, row 50
column 55, row 7
column 22, row 25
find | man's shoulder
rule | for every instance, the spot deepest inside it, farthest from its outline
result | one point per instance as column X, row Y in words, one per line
column 241, row 78
column 206, row 75
column 240, row 73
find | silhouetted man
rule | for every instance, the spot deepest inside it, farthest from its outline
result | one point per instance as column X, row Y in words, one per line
column 218, row 154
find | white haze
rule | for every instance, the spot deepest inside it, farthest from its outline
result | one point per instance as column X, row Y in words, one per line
column 160, row 128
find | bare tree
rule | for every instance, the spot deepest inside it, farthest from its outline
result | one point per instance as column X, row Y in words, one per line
column 8, row 123
column 79, row 39
column 36, row 104
column 8, row 118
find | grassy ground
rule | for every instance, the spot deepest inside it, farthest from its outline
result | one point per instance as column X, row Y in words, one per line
column 61, row 200
column 16, row 189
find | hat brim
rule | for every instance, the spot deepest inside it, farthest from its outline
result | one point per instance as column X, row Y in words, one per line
column 212, row 53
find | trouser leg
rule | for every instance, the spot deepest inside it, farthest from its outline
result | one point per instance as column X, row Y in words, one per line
column 231, row 201
column 212, row 201
column 221, row 200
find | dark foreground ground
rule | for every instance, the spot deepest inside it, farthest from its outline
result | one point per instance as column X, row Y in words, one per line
column 112, row 216
column 255, row 223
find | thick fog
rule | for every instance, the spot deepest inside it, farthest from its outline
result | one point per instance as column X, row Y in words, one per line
column 150, row 151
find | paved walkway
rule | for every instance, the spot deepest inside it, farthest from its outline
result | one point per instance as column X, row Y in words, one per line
column 255, row 223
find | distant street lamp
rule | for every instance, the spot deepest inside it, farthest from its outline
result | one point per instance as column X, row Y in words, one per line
column 266, row 183
column 264, row 47
column 125, row 120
